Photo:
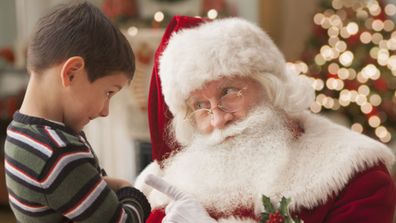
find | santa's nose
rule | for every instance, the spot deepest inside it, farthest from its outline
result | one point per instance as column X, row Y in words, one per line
column 220, row 119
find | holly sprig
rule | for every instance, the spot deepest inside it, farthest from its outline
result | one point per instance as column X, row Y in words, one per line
column 277, row 215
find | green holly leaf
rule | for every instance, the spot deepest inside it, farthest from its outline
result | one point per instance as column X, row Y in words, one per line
column 284, row 204
column 267, row 204
column 283, row 210
column 287, row 220
column 264, row 217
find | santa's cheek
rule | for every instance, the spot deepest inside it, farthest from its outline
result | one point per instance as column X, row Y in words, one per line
column 238, row 116
column 204, row 127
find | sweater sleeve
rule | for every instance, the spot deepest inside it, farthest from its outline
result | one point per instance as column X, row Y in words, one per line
column 369, row 197
column 76, row 189
column 135, row 199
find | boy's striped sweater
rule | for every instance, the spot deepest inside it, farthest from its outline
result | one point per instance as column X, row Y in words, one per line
column 53, row 175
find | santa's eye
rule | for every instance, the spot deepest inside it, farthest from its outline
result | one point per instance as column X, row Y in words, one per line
column 201, row 105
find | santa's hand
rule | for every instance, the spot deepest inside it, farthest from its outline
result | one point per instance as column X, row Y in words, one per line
column 184, row 208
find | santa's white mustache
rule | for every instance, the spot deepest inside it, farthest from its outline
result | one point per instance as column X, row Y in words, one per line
column 220, row 135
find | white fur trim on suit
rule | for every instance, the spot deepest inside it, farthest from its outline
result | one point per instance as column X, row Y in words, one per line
column 152, row 168
column 223, row 47
column 318, row 165
column 235, row 220
column 328, row 156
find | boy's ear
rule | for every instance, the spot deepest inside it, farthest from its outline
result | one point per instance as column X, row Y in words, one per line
column 71, row 67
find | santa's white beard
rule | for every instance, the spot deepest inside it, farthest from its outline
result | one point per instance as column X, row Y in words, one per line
column 231, row 174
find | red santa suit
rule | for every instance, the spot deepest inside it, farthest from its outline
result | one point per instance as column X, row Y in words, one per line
column 330, row 173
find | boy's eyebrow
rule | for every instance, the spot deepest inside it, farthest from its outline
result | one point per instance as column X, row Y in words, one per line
column 118, row 86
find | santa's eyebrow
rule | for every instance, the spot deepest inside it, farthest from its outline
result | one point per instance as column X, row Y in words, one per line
column 190, row 101
column 229, row 84
column 193, row 99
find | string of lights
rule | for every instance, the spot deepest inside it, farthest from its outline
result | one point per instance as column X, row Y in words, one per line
column 351, row 62
column 159, row 17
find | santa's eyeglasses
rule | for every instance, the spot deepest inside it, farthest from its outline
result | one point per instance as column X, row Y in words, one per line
column 231, row 101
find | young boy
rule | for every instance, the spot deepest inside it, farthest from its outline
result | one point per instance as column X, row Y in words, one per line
column 77, row 61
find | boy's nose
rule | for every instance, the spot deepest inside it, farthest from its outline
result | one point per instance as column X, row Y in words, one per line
column 220, row 119
column 105, row 110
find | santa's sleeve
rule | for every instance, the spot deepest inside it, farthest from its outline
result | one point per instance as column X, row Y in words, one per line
column 156, row 216
column 369, row 197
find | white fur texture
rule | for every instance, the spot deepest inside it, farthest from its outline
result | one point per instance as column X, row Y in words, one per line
column 235, row 220
column 320, row 163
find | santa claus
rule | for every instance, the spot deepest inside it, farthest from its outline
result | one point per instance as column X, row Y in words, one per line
column 229, row 124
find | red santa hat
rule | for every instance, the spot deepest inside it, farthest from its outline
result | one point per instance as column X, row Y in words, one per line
column 158, row 113
column 193, row 52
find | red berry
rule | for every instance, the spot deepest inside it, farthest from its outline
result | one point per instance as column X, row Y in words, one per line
column 275, row 218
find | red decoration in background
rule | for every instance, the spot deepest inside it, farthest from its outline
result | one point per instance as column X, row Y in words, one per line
column 219, row 5
column 382, row 16
column 144, row 53
column 351, row 85
column 381, row 85
column 370, row 60
column 390, row 109
column 120, row 8
column 223, row 7
column 7, row 55
column 330, row 75
column 9, row 105
column 354, row 39
column 319, row 31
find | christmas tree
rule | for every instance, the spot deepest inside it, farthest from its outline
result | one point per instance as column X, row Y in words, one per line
column 352, row 63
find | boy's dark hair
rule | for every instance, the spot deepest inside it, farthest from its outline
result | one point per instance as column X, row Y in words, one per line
column 80, row 29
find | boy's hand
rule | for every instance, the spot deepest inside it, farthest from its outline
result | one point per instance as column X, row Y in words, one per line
column 115, row 183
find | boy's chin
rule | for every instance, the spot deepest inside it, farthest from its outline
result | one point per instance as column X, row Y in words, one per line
column 77, row 128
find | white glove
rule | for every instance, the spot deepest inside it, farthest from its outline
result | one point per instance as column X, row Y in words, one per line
column 184, row 208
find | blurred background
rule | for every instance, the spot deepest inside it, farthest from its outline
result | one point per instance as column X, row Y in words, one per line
column 346, row 47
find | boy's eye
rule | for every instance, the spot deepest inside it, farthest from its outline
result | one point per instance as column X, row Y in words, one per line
column 109, row 94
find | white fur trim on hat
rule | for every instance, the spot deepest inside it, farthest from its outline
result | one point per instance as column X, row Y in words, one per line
column 223, row 47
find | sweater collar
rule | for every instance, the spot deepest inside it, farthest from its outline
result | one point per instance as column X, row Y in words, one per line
column 31, row 120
